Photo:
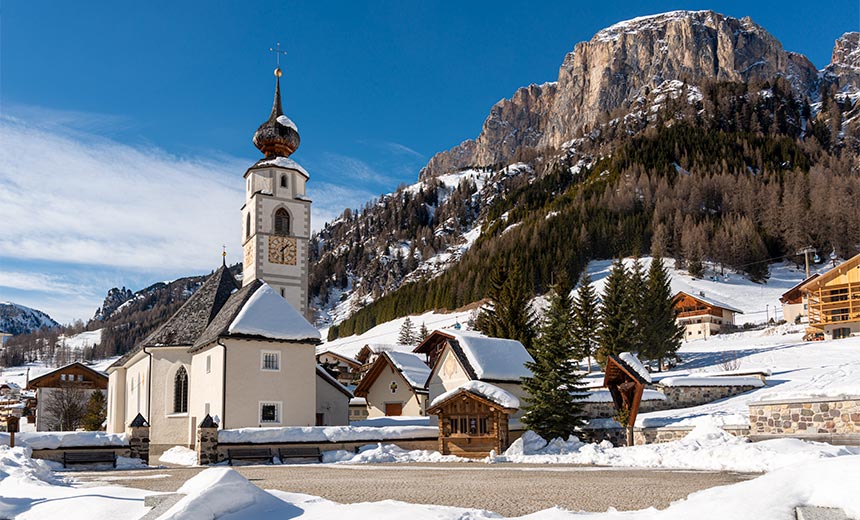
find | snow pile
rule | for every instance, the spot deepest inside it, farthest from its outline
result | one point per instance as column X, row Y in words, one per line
column 707, row 447
column 603, row 396
column 494, row 358
column 712, row 381
column 495, row 394
column 16, row 464
column 325, row 434
column 394, row 420
column 412, row 366
column 387, row 453
column 56, row 440
column 217, row 492
column 179, row 455
column 634, row 363
column 267, row 314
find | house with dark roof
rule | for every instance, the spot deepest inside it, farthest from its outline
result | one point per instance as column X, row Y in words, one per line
column 795, row 304
column 702, row 316
column 243, row 356
column 74, row 381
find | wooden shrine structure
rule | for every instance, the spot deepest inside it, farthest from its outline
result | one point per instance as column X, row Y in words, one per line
column 626, row 386
column 471, row 425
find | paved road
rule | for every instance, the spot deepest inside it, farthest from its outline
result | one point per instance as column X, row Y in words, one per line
column 507, row 489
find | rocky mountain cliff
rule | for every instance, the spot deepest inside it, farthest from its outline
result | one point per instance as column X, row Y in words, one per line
column 610, row 73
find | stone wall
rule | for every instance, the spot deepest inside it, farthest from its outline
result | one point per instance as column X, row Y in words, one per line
column 806, row 416
column 686, row 396
column 618, row 436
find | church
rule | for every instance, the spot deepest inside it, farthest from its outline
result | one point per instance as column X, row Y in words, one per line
column 243, row 355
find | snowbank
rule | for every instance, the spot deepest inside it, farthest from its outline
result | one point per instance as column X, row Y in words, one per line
column 325, row 434
column 634, row 363
column 705, row 448
column 492, row 392
column 16, row 464
column 387, row 453
column 711, row 381
column 56, row 440
column 179, row 455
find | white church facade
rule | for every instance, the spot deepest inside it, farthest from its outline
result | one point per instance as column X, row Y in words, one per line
column 242, row 355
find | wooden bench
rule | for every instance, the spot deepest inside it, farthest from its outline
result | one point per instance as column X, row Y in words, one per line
column 88, row 457
column 248, row 454
column 300, row 453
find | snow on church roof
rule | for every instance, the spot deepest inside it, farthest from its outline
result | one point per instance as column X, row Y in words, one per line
column 257, row 310
column 282, row 162
column 493, row 359
column 268, row 315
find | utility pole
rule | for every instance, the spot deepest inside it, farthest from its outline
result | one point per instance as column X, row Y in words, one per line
column 805, row 252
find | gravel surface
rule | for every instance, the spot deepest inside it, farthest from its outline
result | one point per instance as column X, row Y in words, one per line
column 510, row 490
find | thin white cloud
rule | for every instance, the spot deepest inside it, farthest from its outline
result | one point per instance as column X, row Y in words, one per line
column 355, row 169
column 37, row 282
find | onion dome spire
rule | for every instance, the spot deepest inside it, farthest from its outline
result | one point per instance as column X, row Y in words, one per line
column 278, row 136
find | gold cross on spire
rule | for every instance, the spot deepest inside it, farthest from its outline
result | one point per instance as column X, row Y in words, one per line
column 277, row 50
column 223, row 255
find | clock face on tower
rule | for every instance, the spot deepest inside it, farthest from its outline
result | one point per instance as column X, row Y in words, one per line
column 282, row 250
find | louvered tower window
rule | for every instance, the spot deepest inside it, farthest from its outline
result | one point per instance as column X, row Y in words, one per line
column 180, row 391
column 282, row 222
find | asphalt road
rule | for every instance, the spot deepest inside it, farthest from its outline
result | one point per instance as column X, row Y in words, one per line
column 507, row 489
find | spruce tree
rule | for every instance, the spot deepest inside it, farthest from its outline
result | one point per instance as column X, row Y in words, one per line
column 662, row 332
column 95, row 412
column 407, row 333
column 636, row 293
column 423, row 332
column 616, row 327
column 509, row 313
column 586, row 319
column 553, row 408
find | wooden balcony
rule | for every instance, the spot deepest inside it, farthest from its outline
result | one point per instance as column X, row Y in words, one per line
column 835, row 304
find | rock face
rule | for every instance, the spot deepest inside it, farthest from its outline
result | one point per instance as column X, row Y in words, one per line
column 844, row 68
column 622, row 63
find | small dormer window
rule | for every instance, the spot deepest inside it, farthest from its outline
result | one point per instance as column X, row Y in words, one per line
column 282, row 222
column 283, row 181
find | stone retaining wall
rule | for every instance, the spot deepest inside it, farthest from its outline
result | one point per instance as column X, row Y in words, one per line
column 686, row 396
column 618, row 436
column 806, row 416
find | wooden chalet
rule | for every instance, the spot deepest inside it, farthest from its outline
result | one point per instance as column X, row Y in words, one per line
column 834, row 300
column 472, row 421
column 794, row 303
column 347, row 369
column 75, row 377
column 701, row 316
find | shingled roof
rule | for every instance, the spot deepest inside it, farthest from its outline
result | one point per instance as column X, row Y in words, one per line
column 278, row 320
column 189, row 322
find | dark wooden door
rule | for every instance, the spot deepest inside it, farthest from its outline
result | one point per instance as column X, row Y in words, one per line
column 393, row 409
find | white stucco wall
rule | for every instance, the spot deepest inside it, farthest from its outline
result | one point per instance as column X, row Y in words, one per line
column 332, row 403
column 116, row 401
column 136, row 381
column 380, row 393
column 294, row 386
column 206, row 387
column 166, row 426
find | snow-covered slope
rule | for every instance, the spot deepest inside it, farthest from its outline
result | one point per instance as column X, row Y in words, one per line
column 18, row 319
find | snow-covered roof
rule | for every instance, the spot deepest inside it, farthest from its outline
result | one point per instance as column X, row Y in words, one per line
column 711, row 381
column 634, row 363
column 493, row 359
column 711, row 301
column 269, row 315
column 411, row 366
column 483, row 389
column 282, row 162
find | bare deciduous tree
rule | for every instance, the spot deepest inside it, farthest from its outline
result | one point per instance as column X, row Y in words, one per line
column 65, row 407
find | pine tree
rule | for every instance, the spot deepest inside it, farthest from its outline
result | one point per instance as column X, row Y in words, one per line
column 423, row 332
column 407, row 333
column 509, row 313
column 95, row 412
column 616, row 327
column 636, row 294
column 661, row 331
column 553, row 408
column 586, row 319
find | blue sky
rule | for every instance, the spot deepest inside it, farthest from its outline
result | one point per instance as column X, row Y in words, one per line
column 126, row 127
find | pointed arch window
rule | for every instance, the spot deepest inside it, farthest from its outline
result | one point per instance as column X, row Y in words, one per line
column 180, row 391
column 282, row 222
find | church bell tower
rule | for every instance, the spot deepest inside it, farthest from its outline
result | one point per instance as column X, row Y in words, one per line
column 276, row 217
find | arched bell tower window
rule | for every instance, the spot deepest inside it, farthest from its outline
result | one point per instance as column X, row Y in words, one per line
column 282, row 222
column 283, row 181
column 180, row 391
column 247, row 225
